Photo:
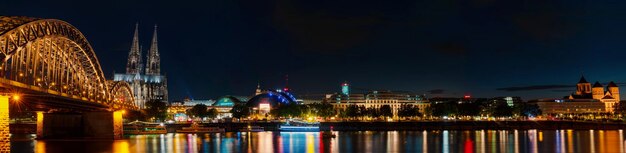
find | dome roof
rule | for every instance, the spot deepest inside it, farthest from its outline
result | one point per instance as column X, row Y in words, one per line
column 271, row 97
column 227, row 101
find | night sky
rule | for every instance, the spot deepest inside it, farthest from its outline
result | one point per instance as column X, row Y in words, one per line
column 485, row 48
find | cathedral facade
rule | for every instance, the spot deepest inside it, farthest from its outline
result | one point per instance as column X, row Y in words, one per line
column 149, row 84
column 609, row 95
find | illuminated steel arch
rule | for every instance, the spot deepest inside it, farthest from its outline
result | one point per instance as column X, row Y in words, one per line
column 122, row 94
column 51, row 56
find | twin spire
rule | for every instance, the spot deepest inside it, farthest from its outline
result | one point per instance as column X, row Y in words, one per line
column 135, row 64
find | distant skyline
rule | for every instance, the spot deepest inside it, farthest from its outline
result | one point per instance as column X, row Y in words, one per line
column 443, row 48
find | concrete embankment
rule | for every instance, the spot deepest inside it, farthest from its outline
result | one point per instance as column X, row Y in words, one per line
column 393, row 126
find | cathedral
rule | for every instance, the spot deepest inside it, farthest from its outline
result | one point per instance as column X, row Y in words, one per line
column 608, row 96
column 148, row 85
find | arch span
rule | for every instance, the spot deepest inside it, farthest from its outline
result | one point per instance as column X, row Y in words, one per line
column 53, row 57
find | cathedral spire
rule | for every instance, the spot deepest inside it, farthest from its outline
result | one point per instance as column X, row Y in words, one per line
column 153, row 66
column 134, row 56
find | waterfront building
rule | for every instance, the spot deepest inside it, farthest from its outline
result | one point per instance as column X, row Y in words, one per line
column 586, row 92
column 224, row 104
column 569, row 106
column 178, row 110
column 262, row 103
column 376, row 99
column 149, row 84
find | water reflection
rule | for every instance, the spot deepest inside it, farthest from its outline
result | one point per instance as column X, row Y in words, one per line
column 479, row 141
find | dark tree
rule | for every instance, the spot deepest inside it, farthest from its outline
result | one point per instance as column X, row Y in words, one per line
column 352, row 111
column 385, row 111
column 620, row 108
column 288, row 110
column 527, row 110
column 468, row 109
column 407, row 110
column 212, row 113
column 372, row 112
column 240, row 110
column 323, row 109
column 199, row 110
column 502, row 110
column 443, row 109
column 156, row 109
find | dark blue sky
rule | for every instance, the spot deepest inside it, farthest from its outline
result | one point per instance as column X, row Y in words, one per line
column 218, row 47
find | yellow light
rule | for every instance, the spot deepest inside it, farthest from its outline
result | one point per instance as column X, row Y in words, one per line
column 123, row 111
column 16, row 97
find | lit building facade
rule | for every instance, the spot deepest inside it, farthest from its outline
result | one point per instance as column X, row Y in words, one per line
column 224, row 104
column 608, row 96
column 262, row 103
column 149, row 84
column 569, row 106
column 376, row 99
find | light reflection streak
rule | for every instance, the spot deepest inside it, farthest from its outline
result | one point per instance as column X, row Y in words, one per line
column 540, row 136
column 483, row 145
column 503, row 139
column 532, row 137
column 424, row 141
column 40, row 147
column 591, row 141
column 562, row 140
column 570, row 141
column 310, row 143
column 120, row 146
column 154, row 144
column 335, row 142
column 445, row 142
column 516, row 137
column 162, row 142
column 392, row 141
column 170, row 146
column 621, row 142
column 493, row 141
column 601, row 142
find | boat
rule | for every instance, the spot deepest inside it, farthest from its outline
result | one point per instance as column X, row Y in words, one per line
column 138, row 128
column 300, row 127
column 253, row 128
column 196, row 128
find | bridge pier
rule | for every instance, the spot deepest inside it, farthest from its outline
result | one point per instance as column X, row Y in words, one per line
column 5, row 137
column 97, row 125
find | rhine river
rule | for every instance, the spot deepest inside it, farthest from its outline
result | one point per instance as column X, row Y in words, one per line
column 478, row 141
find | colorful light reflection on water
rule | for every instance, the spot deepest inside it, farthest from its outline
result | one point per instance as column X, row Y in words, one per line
column 478, row 141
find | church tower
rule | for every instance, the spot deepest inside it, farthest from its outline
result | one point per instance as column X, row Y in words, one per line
column 597, row 91
column 614, row 90
column 153, row 65
column 583, row 87
column 134, row 56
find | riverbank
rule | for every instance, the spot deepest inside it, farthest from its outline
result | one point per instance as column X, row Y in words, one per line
column 394, row 126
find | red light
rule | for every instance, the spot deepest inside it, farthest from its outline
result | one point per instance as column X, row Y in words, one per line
column 467, row 96
column 285, row 89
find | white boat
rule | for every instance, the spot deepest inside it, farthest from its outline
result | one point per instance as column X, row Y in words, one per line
column 300, row 127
